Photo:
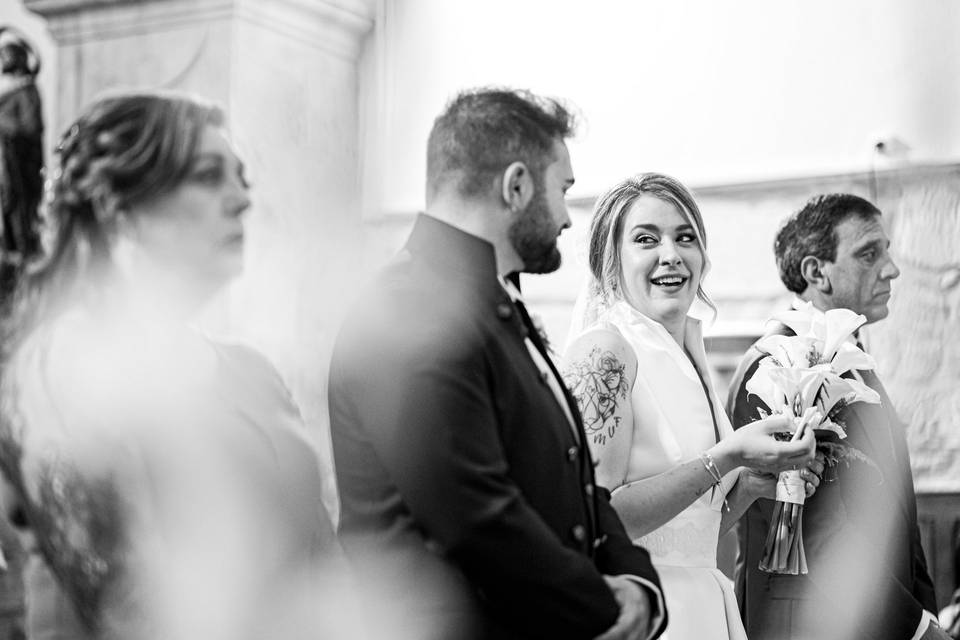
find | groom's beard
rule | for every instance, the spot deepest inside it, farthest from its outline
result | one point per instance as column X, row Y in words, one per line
column 534, row 237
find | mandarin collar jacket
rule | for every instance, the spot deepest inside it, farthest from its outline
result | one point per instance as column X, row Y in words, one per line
column 465, row 494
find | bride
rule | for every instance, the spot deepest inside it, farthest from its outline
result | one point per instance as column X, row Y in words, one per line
column 679, row 474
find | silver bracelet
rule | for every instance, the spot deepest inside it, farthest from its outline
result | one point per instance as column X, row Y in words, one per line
column 711, row 466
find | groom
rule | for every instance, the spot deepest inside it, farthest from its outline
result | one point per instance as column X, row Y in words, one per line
column 868, row 577
column 469, row 507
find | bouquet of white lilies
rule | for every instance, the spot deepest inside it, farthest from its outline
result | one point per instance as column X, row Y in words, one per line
column 803, row 376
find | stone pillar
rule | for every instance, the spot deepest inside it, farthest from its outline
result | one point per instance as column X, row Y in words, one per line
column 286, row 72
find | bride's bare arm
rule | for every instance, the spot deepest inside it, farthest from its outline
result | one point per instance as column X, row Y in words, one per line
column 648, row 504
column 600, row 371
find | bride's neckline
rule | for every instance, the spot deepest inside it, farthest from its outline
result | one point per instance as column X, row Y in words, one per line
column 685, row 354
column 632, row 316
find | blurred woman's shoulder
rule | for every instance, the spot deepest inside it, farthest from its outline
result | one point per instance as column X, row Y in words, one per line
column 55, row 356
column 251, row 371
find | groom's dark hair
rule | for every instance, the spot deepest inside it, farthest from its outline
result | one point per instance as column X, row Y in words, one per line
column 482, row 131
column 812, row 231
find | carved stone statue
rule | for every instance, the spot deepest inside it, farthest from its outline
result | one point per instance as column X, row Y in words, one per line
column 21, row 152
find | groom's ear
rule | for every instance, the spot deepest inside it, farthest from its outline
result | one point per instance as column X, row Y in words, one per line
column 518, row 187
column 814, row 272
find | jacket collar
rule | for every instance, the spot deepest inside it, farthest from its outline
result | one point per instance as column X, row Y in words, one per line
column 451, row 249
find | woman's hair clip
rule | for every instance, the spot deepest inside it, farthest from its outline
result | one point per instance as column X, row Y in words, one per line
column 68, row 137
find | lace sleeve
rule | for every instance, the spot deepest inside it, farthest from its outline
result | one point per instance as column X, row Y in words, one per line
column 68, row 484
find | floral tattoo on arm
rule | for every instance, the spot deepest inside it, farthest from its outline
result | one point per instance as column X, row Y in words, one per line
column 599, row 383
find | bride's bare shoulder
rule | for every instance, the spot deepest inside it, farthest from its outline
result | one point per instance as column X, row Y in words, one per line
column 602, row 343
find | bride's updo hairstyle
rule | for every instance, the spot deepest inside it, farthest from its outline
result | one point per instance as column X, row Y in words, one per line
column 124, row 150
column 606, row 230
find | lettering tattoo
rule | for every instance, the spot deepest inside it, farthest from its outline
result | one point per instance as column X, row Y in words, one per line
column 599, row 383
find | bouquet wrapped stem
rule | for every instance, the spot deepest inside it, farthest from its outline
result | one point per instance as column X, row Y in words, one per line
column 783, row 550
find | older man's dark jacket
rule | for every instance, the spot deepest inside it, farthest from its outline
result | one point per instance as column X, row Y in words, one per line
column 867, row 575
column 468, row 499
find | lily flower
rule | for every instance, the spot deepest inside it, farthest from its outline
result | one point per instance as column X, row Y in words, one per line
column 786, row 390
column 830, row 328
column 861, row 392
column 849, row 357
column 769, row 392
column 835, row 393
column 800, row 386
column 790, row 351
column 829, row 425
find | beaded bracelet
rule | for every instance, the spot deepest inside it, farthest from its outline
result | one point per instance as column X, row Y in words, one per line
column 711, row 466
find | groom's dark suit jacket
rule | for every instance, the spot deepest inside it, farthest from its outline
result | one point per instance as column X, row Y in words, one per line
column 867, row 573
column 468, row 499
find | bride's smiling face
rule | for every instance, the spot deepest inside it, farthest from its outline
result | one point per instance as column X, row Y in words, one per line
column 661, row 260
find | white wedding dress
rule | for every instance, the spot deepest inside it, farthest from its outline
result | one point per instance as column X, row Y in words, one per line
column 673, row 424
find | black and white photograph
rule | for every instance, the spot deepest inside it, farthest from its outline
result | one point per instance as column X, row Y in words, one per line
column 479, row 320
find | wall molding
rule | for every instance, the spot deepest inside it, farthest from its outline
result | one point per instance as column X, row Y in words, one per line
column 336, row 26
column 757, row 189
column 751, row 190
column 77, row 21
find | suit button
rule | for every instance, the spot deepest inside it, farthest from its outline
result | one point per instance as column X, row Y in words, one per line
column 572, row 454
column 545, row 378
column 504, row 311
column 588, row 489
column 579, row 533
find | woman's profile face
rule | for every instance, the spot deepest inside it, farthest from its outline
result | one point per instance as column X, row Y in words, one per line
column 661, row 260
column 197, row 228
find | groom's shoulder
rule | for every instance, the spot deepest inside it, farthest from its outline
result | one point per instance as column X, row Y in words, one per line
column 406, row 281
column 398, row 287
column 407, row 306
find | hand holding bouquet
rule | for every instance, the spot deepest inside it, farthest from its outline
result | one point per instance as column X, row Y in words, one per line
column 803, row 377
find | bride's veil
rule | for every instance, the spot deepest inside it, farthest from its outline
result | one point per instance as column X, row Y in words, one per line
column 590, row 308
column 592, row 304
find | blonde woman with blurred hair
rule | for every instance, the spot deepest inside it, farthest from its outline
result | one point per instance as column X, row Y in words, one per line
column 678, row 473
